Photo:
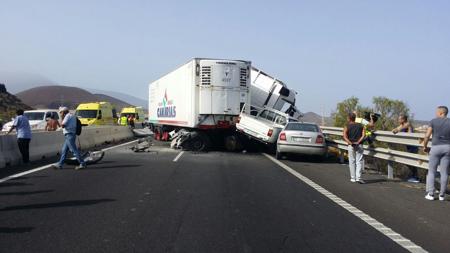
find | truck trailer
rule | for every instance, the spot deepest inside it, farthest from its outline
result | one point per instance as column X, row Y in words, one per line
column 200, row 102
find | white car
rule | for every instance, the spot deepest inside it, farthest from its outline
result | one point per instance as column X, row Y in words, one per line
column 301, row 138
column 37, row 119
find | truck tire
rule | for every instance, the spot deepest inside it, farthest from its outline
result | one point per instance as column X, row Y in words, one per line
column 199, row 142
column 233, row 143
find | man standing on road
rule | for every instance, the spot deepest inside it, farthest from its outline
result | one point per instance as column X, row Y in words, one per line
column 354, row 136
column 439, row 129
column 22, row 125
column 52, row 124
column 69, row 125
column 406, row 127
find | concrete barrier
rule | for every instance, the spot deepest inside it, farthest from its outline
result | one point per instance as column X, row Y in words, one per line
column 48, row 144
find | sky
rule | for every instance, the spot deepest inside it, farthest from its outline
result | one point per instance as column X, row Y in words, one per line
column 326, row 50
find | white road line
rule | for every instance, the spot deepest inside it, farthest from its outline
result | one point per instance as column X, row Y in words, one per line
column 391, row 234
column 21, row 174
column 24, row 173
column 178, row 156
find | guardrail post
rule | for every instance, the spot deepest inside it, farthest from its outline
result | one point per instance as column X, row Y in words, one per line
column 390, row 170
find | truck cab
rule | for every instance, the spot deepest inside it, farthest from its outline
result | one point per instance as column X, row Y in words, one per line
column 96, row 113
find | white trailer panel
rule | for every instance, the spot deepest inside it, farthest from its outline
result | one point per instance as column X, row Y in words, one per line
column 202, row 92
column 172, row 98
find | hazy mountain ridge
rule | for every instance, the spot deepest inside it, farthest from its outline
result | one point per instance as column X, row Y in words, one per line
column 55, row 96
column 9, row 104
column 122, row 96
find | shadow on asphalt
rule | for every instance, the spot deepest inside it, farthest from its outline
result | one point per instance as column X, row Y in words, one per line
column 94, row 167
column 27, row 177
column 374, row 181
column 71, row 203
column 18, row 230
column 24, row 193
column 6, row 184
column 310, row 159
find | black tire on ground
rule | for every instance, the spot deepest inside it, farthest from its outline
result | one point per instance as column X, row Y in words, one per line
column 233, row 143
column 278, row 155
column 199, row 142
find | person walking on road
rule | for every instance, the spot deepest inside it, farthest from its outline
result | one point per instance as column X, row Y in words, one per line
column 354, row 136
column 406, row 127
column 22, row 125
column 439, row 130
column 69, row 125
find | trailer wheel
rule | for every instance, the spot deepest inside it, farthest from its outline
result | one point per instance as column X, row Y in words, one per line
column 199, row 142
column 233, row 143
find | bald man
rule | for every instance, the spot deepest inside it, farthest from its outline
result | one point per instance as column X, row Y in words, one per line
column 439, row 129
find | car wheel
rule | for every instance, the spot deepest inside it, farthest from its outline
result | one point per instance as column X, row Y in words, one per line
column 278, row 155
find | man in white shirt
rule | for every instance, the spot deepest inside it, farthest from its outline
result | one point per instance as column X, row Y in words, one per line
column 69, row 125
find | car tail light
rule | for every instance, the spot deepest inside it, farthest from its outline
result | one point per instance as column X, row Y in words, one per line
column 270, row 133
column 319, row 139
column 282, row 136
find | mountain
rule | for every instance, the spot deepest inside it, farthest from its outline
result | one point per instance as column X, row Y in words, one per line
column 122, row 96
column 19, row 81
column 55, row 96
column 313, row 117
column 9, row 104
column 117, row 102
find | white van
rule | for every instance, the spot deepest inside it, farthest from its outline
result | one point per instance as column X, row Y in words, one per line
column 37, row 119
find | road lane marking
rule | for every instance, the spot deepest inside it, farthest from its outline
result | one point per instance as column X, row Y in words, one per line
column 24, row 173
column 178, row 156
column 21, row 174
column 388, row 232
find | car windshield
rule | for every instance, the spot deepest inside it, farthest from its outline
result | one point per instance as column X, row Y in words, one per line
column 302, row 127
column 34, row 115
column 88, row 114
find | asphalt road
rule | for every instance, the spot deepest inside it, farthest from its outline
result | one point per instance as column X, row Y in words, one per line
column 208, row 202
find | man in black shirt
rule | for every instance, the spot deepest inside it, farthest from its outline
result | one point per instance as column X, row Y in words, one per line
column 354, row 134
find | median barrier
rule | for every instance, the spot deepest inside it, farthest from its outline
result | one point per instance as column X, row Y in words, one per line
column 388, row 154
column 48, row 144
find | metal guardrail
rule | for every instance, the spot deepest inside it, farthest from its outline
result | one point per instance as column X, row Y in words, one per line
column 390, row 155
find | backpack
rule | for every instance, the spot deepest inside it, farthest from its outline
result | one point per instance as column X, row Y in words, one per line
column 79, row 126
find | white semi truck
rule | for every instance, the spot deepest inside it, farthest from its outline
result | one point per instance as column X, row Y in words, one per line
column 200, row 101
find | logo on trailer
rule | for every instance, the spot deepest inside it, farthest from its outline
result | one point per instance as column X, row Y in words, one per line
column 166, row 109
